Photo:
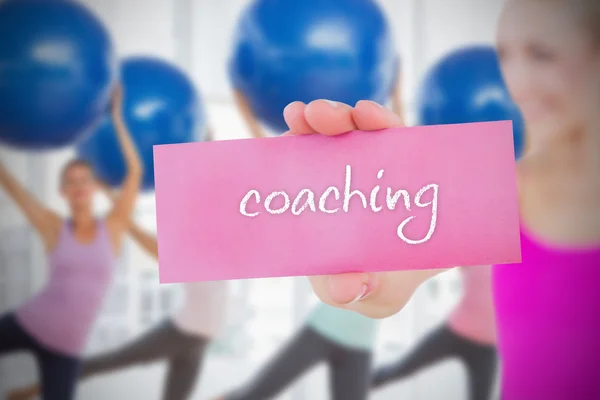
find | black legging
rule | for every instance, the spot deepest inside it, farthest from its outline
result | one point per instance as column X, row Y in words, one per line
column 349, row 369
column 58, row 372
column 480, row 360
column 184, row 353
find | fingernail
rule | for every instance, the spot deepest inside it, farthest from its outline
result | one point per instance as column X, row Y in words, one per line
column 361, row 295
column 333, row 104
column 370, row 102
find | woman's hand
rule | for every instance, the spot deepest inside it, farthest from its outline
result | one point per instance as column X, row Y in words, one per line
column 376, row 295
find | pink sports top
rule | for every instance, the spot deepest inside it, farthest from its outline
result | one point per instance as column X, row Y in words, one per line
column 548, row 315
column 474, row 316
column 62, row 314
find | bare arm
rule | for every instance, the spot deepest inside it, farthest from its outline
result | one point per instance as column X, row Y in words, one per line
column 397, row 106
column 124, row 202
column 255, row 129
column 144, row 239
column 46, row 222
column 210, row 134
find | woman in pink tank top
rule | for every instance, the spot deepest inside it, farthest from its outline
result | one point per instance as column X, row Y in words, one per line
column 55, row 323
column 548, row 306
column 468, row 334
column 180, row 340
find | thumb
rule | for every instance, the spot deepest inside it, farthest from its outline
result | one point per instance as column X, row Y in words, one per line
column 343, row 289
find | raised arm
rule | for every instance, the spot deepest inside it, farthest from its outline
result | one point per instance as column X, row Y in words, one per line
column 46, row 222
column 210, row 134
column 144, row 239
column 124, row 202
column 397, row 106
column 255, row 129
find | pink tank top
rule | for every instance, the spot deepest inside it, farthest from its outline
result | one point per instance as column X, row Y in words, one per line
column 548, row 316
column 474, row 316
column 62, row 314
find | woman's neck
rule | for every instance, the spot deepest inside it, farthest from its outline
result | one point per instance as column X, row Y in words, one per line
column 83, row 217
column 577, row 152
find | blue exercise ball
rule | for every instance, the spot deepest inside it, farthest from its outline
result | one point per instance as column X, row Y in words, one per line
column 161, row 106
column 306, row 50
column 56, row 72
column 467, row 86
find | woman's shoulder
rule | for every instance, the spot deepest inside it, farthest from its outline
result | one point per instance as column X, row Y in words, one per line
column 55, row 221
column 109, row 222
column 528, row 168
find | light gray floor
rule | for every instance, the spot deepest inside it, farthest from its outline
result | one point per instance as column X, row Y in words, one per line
column 443, row 382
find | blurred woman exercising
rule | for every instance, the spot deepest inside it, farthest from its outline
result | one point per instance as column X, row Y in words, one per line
column 54, row 325
column 181, row 340
column 469, row 334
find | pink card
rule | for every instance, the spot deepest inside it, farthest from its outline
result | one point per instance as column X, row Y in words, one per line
column 398, row 199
